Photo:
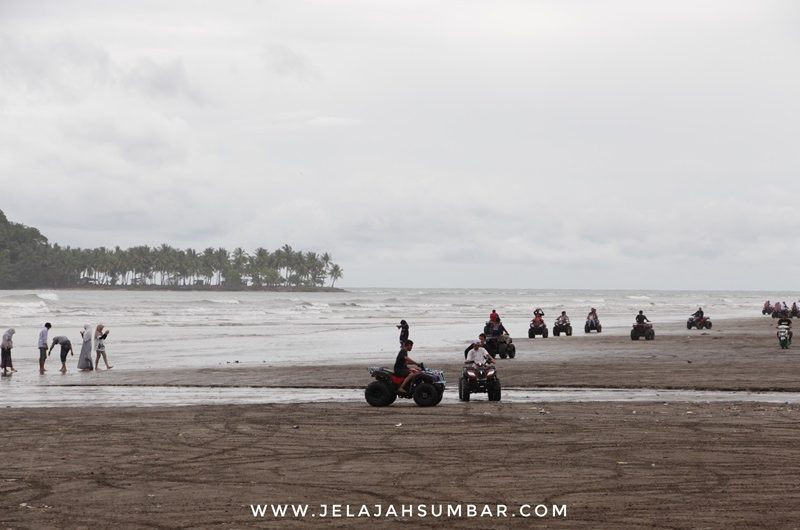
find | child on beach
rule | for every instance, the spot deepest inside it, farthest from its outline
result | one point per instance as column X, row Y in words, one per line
column 100, row 334
column 5, row 351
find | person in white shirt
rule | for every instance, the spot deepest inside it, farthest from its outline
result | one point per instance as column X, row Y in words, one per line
column 43, row 346
column 478, row 355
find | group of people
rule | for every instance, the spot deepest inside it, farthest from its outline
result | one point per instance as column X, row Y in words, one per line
column 84, row 357
column 780, row 309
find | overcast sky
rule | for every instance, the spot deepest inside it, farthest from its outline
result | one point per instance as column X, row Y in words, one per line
column 542, row 144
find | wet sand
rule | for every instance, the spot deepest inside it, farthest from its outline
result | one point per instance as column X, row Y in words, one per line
column 614, row 465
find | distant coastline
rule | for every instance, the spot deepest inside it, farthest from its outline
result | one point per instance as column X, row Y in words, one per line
column 203, row 288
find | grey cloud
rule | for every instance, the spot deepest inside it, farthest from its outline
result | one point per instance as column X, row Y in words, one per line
column 289, row 63
column 163, row 80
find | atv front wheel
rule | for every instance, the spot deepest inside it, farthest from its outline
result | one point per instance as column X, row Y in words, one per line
column 544, row 333
column 531, row 333
column 463, row 390
column 569, row 331
column 708, row 325
column 494, row 391
column 650, row 335
column 634, row 335
column 425, row 395
column 378, row 394
column 512, row 351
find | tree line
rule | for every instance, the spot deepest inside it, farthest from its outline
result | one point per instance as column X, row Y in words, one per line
column 27, row 260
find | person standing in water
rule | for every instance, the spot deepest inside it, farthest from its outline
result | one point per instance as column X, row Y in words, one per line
column 43, row 346
column 85, row 358
column 100, row 334
column 5, row 351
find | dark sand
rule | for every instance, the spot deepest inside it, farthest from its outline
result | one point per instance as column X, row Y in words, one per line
column 613, row 465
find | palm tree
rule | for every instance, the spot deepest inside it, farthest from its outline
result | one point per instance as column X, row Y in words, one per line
column 335, row 273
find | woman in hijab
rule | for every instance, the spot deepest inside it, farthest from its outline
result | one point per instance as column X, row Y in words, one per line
column 85, row 359
column 100, row 334
column 5, row 351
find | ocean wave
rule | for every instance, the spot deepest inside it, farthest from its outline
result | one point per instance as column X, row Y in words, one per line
column 638, row 297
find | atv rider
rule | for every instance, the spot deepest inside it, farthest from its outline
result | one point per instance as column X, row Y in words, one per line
column 641, row 318
column 563, row 319
column 405, row 366
column 481, row 340
column 785, row 321
column 494, row 317
column 592, row 316
column 538, row 312
column 698, row 314
column 538, row 321
column 496, row 331
column 478, row 355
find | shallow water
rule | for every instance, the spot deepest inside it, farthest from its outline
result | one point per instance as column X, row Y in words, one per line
column 149, row 396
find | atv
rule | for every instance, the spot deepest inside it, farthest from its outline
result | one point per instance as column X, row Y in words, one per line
column 501, row 345
column 698, row 323
column 592, row 325
column 479, row 379
column 643, row 330
column 784, row 336
column 562, row 327
column 426, row 388
column 537, row 329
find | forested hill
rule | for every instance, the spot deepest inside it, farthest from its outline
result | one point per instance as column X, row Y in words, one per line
column 28, row 261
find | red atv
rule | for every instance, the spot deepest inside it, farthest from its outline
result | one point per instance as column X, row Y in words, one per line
column 699, row 323
column 427, row 387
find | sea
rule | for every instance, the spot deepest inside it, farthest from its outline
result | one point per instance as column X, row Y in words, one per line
column 177, row 330
column 201, row 329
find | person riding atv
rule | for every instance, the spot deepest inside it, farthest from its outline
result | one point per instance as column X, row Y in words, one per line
column 481, row 340
column 424, row 385
column 562, row 325
column 698, row 320
column 592, row 322
column 642, row 328
column 498, row 340
column 784, row 333
column 479, row 375
column 537, row 327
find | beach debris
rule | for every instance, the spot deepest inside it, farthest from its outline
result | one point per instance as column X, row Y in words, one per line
column 295, row 426
column 622, row 463
column 399, row 425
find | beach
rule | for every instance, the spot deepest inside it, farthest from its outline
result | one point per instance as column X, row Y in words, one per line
column 612, row 463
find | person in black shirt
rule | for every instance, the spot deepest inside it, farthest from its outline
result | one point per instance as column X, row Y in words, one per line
column 641, row 319
column 401, row 364
column 403, row 327
column 698, row 314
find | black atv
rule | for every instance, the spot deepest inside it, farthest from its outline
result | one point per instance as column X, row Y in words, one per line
column 427, row 387
column 534, row 330
column 592, row 325
column 643, row 330
column 479, row 379
column 501, row 345
column 559, row 328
